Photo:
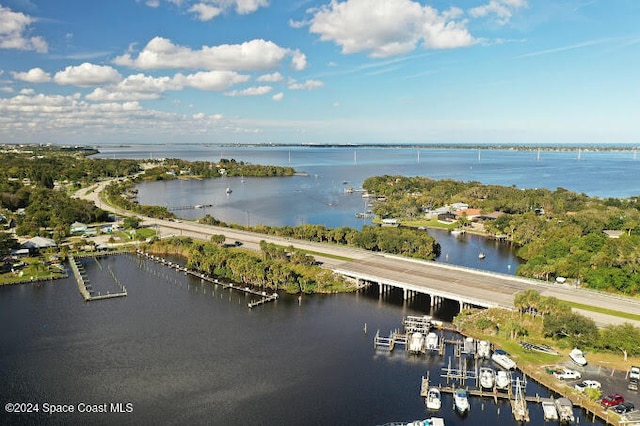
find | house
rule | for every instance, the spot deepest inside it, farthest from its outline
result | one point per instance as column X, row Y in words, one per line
column 78, row 228
column 491, row 216
column 447, row 217
column 36, row 244
column 459, row 206
column 469, row 213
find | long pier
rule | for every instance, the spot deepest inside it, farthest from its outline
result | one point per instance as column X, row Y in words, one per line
column 264, row 296
column 85, row 287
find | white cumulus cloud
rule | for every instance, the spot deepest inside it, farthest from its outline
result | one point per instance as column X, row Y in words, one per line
column 502, row 9
column 250, row 91
column 34, row 75
column 383, row 28
column 307, row 85
column 270, row 78
column 205, row 12
column 254, row 55
column 278, row 96
column 211, row 80
column 14, row 27
column 86, row 75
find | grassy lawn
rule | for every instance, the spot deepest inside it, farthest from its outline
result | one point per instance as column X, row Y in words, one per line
column 600, row 310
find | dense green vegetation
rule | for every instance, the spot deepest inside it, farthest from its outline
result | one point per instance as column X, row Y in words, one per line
column 173, row 167
column 402, row 241
column 275, row 268
column 560, row 233
column 547, row 320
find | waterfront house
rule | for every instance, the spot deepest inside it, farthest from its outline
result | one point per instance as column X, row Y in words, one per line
column 36, row 244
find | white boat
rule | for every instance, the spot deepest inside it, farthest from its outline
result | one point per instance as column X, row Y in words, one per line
column 503, row 361
column 228, row 191
column 433, row 421
column 549, row 410
column 503, row 380
column 565, row 410
column 577, row 356
column 416, row 343
column 433, row 401
column 432, row 342
column 461, row 400
column 487, row 377
column 481, row 255
column 484, row 349
column 457, row 231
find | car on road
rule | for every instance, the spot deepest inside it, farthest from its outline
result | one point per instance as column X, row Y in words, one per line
column 567, row 374
column 612, row 400
column 587, row 384
column 623, row 408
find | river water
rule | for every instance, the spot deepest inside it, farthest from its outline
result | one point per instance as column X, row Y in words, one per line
column 180, row 351
column 319, row 197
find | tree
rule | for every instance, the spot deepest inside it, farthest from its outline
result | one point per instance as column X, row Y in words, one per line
column 131, row 222
column 7, row 243
column 624, row 338
column 578, row 329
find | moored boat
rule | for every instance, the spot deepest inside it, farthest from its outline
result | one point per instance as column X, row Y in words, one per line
column 484, row 349
column 487, row 378
column 416, row 343
column 503, row 360
column 565, row 410
column 433, row 421
column 549, row 411
column 433, row 401
column 432, row 342
column 461, row 400
column 503, row 380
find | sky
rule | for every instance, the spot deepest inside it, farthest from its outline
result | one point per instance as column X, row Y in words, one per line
column 88, row 72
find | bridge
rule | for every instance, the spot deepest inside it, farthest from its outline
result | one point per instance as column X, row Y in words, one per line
column 438, row 280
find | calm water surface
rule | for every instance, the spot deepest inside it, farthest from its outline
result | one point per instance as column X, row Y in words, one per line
column 184, row 352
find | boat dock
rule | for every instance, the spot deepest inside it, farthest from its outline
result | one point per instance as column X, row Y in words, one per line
column 264, row 297
column 85, row 287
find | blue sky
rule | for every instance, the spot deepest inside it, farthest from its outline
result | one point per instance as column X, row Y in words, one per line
column 308, row 71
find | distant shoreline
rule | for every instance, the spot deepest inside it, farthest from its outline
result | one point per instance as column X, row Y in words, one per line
column 588, row 147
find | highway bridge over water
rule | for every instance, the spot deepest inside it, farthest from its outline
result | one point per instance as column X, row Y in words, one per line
column 440, row 281
column 469, row 287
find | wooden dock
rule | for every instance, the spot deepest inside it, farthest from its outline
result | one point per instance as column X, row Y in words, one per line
column 264, row 296
column 85, row 287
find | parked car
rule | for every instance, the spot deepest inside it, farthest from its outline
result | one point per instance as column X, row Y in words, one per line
column 633, row 384
column 567, row 374
column 612, row 400
column 587, row 384
column 623, row 408
column 634, row 372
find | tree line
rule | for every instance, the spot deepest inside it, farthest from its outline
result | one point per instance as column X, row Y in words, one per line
column 275, row 267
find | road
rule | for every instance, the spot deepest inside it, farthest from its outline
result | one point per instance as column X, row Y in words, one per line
column 495, row 289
